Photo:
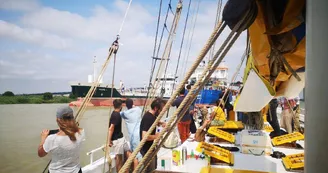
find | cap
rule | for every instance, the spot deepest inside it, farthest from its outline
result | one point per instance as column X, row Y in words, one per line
column 64, row 111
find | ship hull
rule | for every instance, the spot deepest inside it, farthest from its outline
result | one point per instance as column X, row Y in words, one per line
column 104, row 96
column 107, row 101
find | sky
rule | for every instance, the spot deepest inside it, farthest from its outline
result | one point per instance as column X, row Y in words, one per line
column 47, row 45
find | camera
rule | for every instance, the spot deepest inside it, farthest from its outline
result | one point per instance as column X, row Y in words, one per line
column 51, row 132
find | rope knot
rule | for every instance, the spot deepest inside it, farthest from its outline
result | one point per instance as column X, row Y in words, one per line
column 115, row 45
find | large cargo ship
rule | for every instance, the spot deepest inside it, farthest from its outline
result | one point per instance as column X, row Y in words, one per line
column 105, row 93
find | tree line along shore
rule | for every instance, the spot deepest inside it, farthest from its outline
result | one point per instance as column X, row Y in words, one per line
column 9, row 97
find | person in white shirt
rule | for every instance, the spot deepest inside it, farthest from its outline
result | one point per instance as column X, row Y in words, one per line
column 64, row 146
column 122, row 87
column 132, row 117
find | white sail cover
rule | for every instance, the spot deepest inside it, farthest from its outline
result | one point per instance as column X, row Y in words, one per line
column 254, row 96
column 292, row 88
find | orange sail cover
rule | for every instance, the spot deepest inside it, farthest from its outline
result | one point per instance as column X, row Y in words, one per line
column 279, row 27
column 260, row 46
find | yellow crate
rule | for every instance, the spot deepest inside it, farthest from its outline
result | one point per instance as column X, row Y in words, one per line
column 209, row 169
column 287, row 138
column 294, row 161
column 216, row 152
column 231, row 125
column 221, row 134
column 267, row 128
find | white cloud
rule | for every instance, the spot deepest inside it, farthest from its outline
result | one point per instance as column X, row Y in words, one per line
column 103, row 25
column 92, row 35
column 32, row 35
column 19, row 5
column 36, row 65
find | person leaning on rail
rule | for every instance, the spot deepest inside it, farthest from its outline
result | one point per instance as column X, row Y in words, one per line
column 64, row 145
column 119, row 145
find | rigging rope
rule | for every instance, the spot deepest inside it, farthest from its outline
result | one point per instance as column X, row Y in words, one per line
column 179, row 56
column 233, row 79
column 156, row 36
column 194, row 91
column 175, row 123
column 161, row 38
column 113, row 77
column 203, row 52
column 126, row 13
column 112, row 50
column 188, row 38
column 199, row 84
column 107, row 157
column 150, row 85
column 191, row 38
column 163, row 83
column 218, row 14
column 170, row 7
column 82, row 108
column 166, row 52
column 182, row 41
column 192, row 94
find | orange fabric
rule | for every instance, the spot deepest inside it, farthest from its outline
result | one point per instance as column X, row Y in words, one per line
column 184, row 130
column 260, row 45
column 232, row 116
column 290, row 19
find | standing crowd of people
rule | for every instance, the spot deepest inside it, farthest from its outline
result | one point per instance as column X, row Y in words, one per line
column 65, row 143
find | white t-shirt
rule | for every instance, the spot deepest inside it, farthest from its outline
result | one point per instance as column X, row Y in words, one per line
column 65, row 154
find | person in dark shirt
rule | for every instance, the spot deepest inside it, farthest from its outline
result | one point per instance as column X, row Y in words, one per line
column 226, row 98
column 115, row 136
column 192, row 112
column 184, row 123
column 147, row 121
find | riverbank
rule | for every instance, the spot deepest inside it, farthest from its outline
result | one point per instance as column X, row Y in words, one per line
column 36, row 99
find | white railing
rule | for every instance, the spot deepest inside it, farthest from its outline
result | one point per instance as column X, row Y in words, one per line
column 90, row 153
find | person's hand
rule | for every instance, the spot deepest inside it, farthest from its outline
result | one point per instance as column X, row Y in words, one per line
column 156, row 135
column 44, row 134
column 110, row 143
column 163, row 124
column 207, row 122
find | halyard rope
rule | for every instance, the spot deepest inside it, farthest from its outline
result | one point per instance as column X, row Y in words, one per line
column 199, row 84
column 202, row 54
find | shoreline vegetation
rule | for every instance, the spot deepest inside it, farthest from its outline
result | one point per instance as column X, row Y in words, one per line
column 9, row 98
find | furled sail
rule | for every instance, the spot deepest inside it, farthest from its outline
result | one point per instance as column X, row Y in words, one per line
column 276, row 65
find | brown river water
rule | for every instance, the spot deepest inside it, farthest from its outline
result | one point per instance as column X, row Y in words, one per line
column 20, row 128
